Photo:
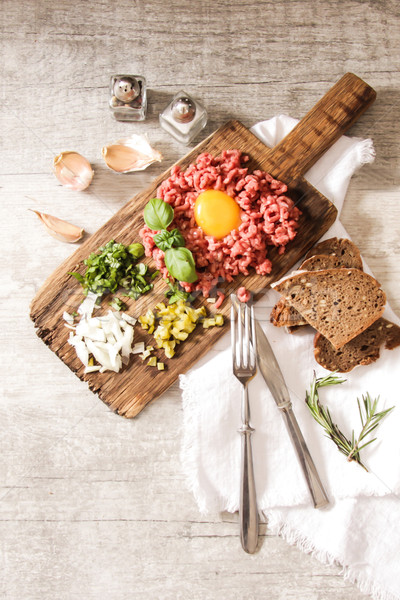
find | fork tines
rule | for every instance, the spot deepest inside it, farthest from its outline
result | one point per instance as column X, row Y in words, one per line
column 243, row 337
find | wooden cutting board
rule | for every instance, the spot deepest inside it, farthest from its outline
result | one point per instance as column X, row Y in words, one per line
column 129, row 391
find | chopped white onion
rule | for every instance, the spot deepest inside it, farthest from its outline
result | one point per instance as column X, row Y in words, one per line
column 81, row 349
column 88, row 305
column 68, row 318
column 128, row 318
column 89, row 328
column 92, row 369
column 127, row 340
column 108, row 338
column 138, row 348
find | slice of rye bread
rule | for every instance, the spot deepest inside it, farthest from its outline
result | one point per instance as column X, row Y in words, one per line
column 339, row 303
column 330, row 261
column 282, row 315
column 364, row 349
column 338, row 247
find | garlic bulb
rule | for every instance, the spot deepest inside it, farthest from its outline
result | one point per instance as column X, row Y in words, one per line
column 130, row 154
column 62, row 230
column 73, row 170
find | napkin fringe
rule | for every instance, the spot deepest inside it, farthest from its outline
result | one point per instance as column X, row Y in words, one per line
column 366, row 585
column 366, row 151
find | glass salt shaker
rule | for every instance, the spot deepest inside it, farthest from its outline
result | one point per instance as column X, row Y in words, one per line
column 128, row 97
column 183, row 118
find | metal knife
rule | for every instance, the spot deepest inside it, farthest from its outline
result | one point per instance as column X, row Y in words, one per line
column 273, row 377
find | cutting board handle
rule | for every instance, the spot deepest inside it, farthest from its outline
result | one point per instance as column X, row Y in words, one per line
column 322, row 126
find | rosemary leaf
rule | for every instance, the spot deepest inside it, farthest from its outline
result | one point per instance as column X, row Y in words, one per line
column 367, row 409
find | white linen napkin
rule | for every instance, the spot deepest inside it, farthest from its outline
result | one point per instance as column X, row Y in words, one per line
column 211, row 416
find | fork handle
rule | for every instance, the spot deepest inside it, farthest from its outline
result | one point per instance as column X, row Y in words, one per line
column 318, row 494
column 248, row 514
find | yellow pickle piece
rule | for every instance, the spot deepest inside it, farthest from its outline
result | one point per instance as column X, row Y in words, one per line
column 171, row 324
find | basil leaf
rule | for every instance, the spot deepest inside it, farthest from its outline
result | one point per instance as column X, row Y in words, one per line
column 136, row 250
column 177, row 238
column 78, row 276
column 113, row 267
column 163, row 240
column 174, row 298
column 158, row 214
column 140, row 269
column 180, row 264
column 117, row 304
column 166, row 239
column 176, row 293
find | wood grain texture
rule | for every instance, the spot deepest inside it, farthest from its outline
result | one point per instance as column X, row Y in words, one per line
column 92, row 505
column 129, row 391
column 330, row 118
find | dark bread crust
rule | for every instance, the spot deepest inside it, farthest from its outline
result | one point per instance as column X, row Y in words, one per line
column 329, row 254
column 364, row 349
column 340, row 247
column 330, row 261
column 339, row 303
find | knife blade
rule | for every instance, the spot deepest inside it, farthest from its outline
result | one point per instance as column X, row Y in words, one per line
column 273, row 377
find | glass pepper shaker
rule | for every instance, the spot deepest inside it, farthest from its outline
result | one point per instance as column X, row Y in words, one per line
column 183, row 118
column 128, row 97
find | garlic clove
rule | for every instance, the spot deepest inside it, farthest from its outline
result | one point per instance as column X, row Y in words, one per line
column 73, row 170
column 61, row 230
column 130, row 154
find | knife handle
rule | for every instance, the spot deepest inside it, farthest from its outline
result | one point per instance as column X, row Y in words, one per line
column 318, row 494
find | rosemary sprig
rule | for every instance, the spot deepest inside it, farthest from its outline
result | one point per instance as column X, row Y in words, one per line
column 369, row 417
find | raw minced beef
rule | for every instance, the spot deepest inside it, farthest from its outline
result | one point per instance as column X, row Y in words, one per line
column 269, row 218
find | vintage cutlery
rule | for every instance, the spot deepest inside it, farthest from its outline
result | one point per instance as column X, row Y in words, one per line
column 128, row 392
column 244, row 362
column 274, row 379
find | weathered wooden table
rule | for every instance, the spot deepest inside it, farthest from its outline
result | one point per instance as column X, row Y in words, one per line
column 93, row 505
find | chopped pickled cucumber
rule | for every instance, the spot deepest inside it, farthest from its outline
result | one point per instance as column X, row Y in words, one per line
column 174, row 324
column 219, row 320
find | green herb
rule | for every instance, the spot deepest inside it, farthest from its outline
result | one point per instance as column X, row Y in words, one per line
column 176, row 293
column 117, row 304
column 136, row 250
column 369, row 416
column 178, row 259
column 79, row 277
column 138, row 282
column 158, row 214
column 166, row 239
column 114, row 266
column 180, row 263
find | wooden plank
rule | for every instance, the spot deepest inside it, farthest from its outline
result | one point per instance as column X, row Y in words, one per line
column 130, row 390
column 89, row 485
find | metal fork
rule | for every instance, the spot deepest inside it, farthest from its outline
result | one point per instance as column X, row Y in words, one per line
column 244, row 362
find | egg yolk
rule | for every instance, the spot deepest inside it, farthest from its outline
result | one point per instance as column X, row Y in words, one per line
column 216, row 213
